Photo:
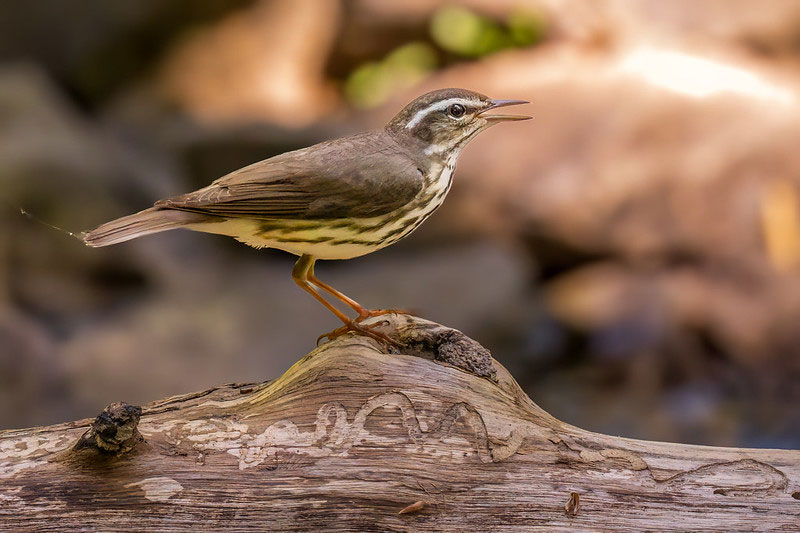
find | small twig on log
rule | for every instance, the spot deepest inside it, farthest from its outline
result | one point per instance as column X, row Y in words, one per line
column 573, row 504
column 413, row 508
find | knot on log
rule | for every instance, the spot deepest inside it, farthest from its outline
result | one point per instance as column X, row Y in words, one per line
column 446, row 345
column 114, row 430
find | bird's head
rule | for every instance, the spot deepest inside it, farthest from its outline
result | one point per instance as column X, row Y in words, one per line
column 446, row 119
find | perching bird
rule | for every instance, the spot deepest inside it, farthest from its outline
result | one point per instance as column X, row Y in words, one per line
column 335, row 200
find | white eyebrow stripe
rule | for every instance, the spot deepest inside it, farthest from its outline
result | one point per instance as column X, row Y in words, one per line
column 436, row 106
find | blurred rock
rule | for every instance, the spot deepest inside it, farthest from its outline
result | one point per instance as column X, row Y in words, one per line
column 750, row 321
column 40, row 133
column 263, row 62
column 766, row 29
column 98, row 48
column 63, row 170
column 33, row 384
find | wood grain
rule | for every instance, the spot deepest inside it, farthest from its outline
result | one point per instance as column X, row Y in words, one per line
column 354, row 439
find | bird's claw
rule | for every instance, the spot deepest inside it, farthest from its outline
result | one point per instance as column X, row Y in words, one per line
column 370, row 313
column 360, row 329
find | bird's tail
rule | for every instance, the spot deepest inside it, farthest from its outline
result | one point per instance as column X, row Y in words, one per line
column 145, row 222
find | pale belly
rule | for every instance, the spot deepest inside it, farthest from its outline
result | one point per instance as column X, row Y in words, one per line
column 336, row 239
column 297, row 237
column 321, row 243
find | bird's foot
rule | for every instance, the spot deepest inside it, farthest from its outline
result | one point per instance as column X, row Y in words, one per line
column 360, row 329
column 369, row 313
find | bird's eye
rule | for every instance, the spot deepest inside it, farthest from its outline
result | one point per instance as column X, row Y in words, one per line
column 456, row 110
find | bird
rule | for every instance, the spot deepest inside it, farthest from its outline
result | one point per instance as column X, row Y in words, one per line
column 338, row 199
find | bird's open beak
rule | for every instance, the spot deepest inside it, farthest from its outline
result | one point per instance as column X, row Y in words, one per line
column 504, row 103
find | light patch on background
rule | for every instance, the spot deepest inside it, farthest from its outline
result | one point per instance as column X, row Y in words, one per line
column 700, row 77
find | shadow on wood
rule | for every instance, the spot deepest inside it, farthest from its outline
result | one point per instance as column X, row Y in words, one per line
column 440, row 437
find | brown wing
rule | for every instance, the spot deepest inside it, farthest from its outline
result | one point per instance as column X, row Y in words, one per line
column 355, row 177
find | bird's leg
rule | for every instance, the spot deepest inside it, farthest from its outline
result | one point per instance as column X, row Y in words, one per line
column 300, row 275
column 358, row 308
column 363, row 312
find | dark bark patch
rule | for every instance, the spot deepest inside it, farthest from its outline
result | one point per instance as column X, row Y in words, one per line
column 449, row 346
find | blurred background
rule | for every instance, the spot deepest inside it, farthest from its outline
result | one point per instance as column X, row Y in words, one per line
column 632, row 255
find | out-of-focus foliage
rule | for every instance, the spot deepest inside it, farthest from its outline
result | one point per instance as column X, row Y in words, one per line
column 454, row 30
column 463, row 32
column 469, row 34
column 526, row 28
column 373, row 83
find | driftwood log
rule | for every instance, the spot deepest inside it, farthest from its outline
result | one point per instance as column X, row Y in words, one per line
column 439, row 437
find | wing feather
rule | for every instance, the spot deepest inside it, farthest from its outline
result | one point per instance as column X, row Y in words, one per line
column 355, row 177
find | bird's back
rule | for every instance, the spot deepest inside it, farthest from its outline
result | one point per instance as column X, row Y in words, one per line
column 360, row 176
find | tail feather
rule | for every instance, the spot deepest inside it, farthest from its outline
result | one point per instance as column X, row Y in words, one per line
column 145, row 222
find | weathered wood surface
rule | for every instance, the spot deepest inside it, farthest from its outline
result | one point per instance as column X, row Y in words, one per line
column 351, row 436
